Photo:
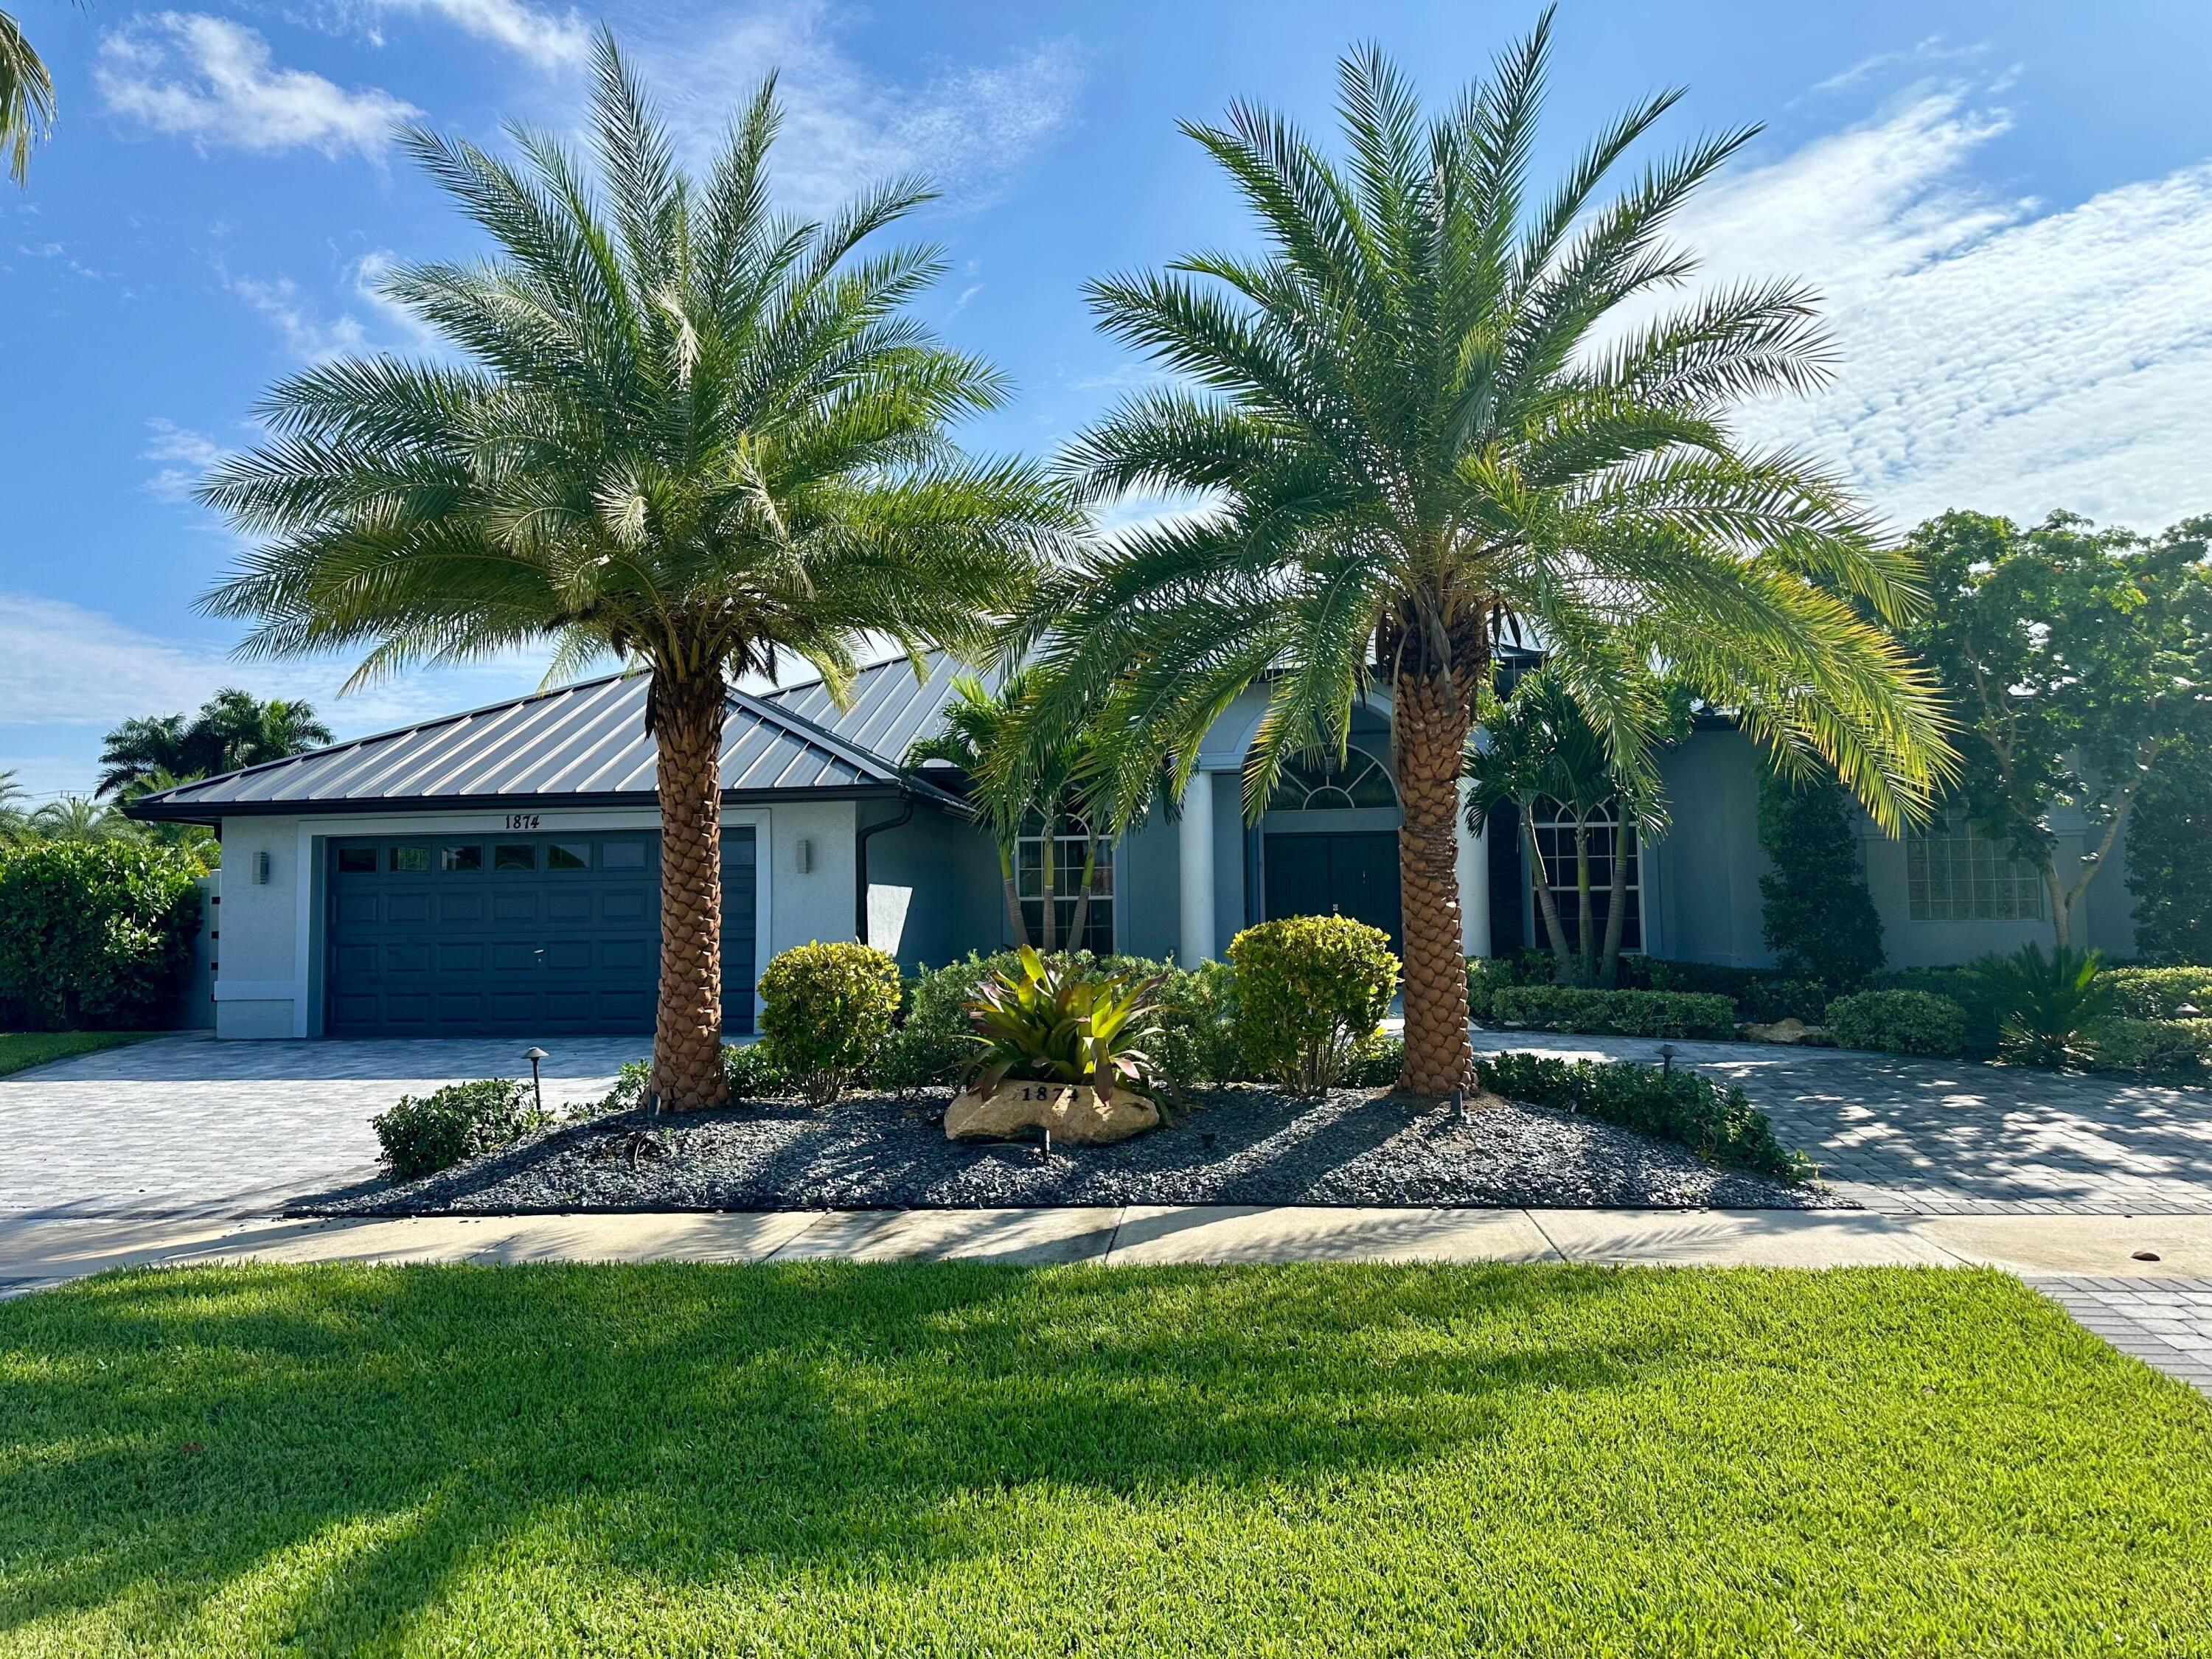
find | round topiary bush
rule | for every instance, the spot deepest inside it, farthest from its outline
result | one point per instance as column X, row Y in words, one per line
column 1902, row 1022
column 825, row 1012
column 1311, row 993
column 97, row 935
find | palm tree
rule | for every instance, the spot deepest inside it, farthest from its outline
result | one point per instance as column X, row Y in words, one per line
column 80, row 818
column 27, row 99
column 233, row 729
column 15, row 818
column 686, row 430
column 1421, row 416
column 1017, row 788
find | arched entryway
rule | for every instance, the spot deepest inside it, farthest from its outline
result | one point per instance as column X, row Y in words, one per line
column 1328, row 843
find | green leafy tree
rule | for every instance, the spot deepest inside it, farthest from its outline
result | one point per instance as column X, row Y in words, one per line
column 2080, row 663
column 2168, row 874
column 680, row 428
column 232, row 730
column 1421, row 409
column 1820, row 919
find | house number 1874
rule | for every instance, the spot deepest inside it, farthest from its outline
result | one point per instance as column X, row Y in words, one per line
column 522, row 820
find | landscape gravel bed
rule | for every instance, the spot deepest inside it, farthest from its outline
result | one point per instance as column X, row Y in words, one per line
column 1240, row 1145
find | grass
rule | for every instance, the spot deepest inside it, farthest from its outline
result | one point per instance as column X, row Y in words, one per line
column 21, row 1050
column 827, row 1459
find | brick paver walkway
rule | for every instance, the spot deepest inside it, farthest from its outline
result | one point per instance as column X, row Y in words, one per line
column 185, row 1125
column 2164, row 1322
column 1953, row 1137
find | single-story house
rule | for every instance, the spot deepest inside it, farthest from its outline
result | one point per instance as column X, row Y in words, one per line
column 496, row 872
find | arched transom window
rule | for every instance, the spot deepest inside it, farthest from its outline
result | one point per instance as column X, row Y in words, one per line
column 1318, row 783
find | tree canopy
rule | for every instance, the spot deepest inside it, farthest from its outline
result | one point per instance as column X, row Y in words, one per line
column 233, row 729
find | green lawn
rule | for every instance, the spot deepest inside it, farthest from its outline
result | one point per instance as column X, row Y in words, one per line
column 830, row 1459
column 21, row 1050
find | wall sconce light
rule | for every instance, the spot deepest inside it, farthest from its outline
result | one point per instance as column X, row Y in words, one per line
column 261, row 868
column 804, row 849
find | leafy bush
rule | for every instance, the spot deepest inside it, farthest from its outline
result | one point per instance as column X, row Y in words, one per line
column 96, row 935
column 1059, row 1022
column 1485, row 977
column 1818, row 917
column 1959, row 986
column 748, row 1072
column 1195, row 1044
column 2044, row 1004
column 825, row 1012
column 1616, row 1014
column 1759, row 993
column 1718, row 1122
column 1377, row 1065
column 1899, row 1022
column 2161, row 993
column 934, row 1040
column 2176, row 1050
column 423, row 1134
column 1310, row 992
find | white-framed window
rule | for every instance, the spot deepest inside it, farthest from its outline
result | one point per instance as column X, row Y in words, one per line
column 1318, row 783
column 1069, row 847
column 1555, row 840
column 1955, row 873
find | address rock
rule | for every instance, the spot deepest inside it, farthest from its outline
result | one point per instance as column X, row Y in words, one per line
column 1079, row 1116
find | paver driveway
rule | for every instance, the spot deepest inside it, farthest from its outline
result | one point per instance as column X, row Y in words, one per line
column 186, row 1126
column 1955, row 1137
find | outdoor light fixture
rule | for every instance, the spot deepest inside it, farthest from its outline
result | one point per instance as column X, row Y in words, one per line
column 805, row 851
column 1665, row 1057
column 2186, row 1011
column 537, row 1085
column 261, row 868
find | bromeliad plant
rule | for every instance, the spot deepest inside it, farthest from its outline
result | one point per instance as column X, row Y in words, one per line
column 1054, row 1022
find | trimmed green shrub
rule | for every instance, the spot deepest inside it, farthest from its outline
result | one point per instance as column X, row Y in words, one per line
column 1615, row 1014
column 1310, row 992
column 1377, row 1065
column 1194, row 1046
column 2160, row 992
column 825, row 1012
column 96, row 935
column 1961, row 986
column 1715, row 1120
column 2174, row 1050
column 934, row 1040
column 423, row 1134
column 1485, row 977
column 1759, row 993
column 1899, row 1022
column 1818, row 917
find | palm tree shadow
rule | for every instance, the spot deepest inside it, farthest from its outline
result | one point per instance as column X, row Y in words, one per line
column 379, row 1433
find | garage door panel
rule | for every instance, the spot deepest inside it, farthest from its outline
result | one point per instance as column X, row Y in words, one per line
column 556, row 934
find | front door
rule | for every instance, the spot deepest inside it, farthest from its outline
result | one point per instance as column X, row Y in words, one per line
column 1351, row 875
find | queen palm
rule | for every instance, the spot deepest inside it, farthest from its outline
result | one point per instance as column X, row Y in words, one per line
column 26, row 97
column 1422, row 413
column 682, row 430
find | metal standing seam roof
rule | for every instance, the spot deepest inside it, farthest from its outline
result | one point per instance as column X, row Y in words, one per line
column 587, row 742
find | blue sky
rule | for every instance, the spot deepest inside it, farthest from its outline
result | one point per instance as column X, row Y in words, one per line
column 2009, row 205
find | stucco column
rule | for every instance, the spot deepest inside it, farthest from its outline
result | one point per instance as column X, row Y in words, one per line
column 1195, row 845
column 1473, row 867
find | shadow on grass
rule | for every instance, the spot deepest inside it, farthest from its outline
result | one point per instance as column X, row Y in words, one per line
column 349, row 1441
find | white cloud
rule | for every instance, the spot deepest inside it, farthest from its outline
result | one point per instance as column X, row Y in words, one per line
column 1997, row 352
column 51, row 724
column 188, row 455
column 549, row 41
column 308, row 335
column 970, row 127
column 212, row 81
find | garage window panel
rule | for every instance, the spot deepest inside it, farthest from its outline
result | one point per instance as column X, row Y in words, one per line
column 514, row 855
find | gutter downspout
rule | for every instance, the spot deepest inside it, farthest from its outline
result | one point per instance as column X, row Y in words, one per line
column 861, row 865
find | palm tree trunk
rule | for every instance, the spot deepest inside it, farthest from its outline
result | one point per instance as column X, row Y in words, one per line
column 1616, row 910
column 1429, row 726
column 1547, row 906
column 686, row 717
column 1585, row 933
column 1013, row 895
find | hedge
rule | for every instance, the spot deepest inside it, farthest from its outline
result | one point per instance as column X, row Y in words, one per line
column 1717, row 1122
column 826, row 1010
column 1311, row 992
column 423, row 1134
column 2160, row 993
column 1615, row 1014
column 97, row 935
column 1899, row 1022
column 2173, row 1050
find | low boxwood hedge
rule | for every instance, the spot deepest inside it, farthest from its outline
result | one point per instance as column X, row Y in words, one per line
column 1899, row 1022
column 1716, row 1121
column 1615, row 1014
column 2162, row 993
column 423, row 1133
